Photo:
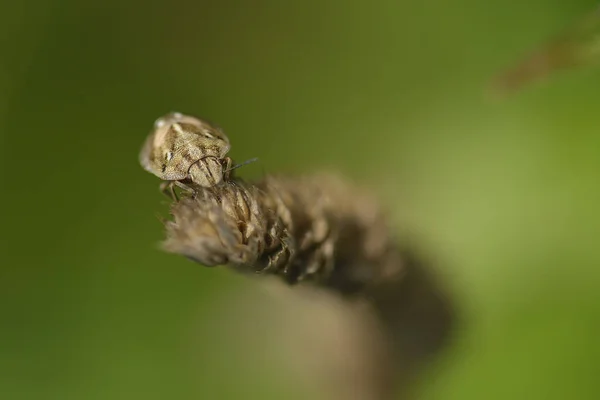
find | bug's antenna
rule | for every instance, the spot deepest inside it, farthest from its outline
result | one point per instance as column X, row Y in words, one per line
column 250, row 161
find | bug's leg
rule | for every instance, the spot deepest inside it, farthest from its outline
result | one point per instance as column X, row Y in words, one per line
column 227, row 169
column 167, row 188
column 185, row 187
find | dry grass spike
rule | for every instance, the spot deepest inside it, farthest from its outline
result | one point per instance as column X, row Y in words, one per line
column 317, row 229
column 311, row 228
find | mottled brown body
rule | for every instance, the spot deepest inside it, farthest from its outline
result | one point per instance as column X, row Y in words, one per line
column 315, row 229
column 184, row 149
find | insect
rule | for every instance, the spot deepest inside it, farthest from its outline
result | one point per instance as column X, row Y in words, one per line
column 577, row 45
column 182, row 149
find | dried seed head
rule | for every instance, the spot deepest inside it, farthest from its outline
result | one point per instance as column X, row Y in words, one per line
column 325, row 231
column 320, row 229
column 315, row 228
column 225, row 225
column 182, row 147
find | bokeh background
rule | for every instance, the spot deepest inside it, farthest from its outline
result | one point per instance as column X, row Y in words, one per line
column 391, row 93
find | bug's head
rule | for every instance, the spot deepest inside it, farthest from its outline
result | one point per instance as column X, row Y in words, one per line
column 178, row 141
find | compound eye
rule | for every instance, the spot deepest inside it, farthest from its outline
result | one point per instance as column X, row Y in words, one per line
column 168, row 156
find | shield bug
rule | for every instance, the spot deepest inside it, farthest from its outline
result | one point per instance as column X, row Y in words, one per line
column 182, row 149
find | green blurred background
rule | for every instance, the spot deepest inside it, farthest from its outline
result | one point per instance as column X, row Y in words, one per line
column 390, row 93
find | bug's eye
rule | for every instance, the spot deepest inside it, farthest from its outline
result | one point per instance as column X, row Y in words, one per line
column 168, row 156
